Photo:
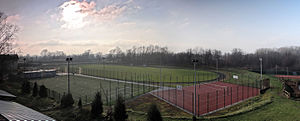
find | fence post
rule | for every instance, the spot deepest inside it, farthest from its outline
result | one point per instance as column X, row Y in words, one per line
column 107, row 98
column 237, row 93
column 193, row 106
column 138, row 86
column 131, row 84
column 125, row 87
column 198, row 106
column 242, row 90
column 143, row 84
column 183, row 99
column 149, row 82
column 224, row 98
column 117, row 93
column 252, row 89
column 86, row 99
column 169, row 94
column 169, row 88
column 207, row 102
column 58, row 97
column 163, row 82
column 176, row 94
column 217, row 92
column 231, row 95
column 248, row 88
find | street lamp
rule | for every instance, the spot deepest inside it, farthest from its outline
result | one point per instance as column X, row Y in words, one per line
column 260, row 59
column 68, row 59
column 195, row 61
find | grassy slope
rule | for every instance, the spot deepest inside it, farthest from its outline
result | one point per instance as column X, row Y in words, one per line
column 281, row 109
column 118, row 71
column 137, row 109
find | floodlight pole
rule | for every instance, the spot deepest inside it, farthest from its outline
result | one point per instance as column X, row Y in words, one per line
column 68, row 76
column 195, row 61
column 287, row 70
column 260, row 59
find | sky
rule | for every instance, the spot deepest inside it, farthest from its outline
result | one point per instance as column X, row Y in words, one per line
column 74, row 26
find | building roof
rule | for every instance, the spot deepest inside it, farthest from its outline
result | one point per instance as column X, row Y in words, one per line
column 14, row 111
column 37, row 71
column 6, row 94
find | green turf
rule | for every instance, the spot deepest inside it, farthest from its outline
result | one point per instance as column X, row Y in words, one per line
column 87, row 87
column 136, row 73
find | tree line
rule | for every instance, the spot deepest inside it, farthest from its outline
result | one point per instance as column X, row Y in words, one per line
column 153, row 55
column 281, row 58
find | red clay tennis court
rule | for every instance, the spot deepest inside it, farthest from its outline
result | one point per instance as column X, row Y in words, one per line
column 209, row 96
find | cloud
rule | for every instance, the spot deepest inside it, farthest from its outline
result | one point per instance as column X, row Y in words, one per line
column 126, row 44
column 85, row 44
column 13, row 19
column 76, row 14
column 49, row 43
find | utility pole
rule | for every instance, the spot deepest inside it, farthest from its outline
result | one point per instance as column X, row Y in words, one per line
column 68, row 75
column 195, row 61
column 260, row 59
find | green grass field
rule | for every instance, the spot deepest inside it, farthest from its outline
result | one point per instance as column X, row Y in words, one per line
column 86, row 88
column 279, row 109
column 136, row 73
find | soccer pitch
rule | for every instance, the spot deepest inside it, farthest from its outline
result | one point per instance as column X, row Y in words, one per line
column 86, row 88
column 137, row 73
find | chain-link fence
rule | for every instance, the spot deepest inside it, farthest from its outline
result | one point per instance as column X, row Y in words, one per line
column 210, row 96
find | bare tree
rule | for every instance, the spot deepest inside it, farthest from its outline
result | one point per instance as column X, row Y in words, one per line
column 7, row 34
